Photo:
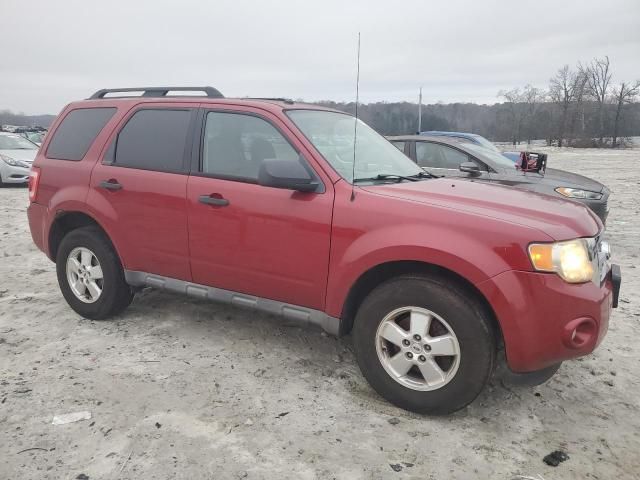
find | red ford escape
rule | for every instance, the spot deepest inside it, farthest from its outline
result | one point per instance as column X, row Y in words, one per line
column 263, row 203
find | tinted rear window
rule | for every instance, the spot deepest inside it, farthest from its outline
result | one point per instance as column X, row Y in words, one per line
column 154, row 140
column 76, row 133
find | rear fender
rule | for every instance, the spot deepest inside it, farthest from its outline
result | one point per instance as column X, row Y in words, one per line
column 77, row 207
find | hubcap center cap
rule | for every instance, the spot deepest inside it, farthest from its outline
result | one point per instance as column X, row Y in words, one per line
column 416, row 348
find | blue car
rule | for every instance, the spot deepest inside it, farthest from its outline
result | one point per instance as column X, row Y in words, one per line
column 477, row 139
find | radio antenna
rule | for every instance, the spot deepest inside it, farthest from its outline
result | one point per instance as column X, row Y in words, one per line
column 420, row 111
column 355, row 125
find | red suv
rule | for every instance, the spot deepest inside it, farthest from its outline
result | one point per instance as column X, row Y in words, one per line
column 265, row 203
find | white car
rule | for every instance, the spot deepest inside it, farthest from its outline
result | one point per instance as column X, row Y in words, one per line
column 16, row 156
column 33, row 136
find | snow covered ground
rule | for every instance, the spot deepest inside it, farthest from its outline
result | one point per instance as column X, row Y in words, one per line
column 184, row 389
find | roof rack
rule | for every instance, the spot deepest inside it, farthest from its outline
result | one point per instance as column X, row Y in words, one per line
column 275, row 99
column 157, row 91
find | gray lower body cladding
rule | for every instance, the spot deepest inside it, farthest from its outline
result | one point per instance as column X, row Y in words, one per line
column 297, row 313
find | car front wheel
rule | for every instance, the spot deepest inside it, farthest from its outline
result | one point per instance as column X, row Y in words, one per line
column 424, row 344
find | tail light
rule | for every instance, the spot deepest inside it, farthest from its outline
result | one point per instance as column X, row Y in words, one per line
column 34, row 180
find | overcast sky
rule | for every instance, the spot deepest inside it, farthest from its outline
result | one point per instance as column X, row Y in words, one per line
column 54, row 52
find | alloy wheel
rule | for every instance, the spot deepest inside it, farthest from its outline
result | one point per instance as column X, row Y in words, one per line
column 84, row 275
column 418, row 348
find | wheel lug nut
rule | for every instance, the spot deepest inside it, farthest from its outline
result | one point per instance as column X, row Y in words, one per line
column 416, row 337
column 422, row 358
column 406, row 342
column 409, row 355
column 427, row 348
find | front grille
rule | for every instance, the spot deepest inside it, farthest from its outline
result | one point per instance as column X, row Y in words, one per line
column 599, row 259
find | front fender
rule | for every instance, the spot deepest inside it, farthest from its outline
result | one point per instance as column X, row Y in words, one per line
column 461, row 251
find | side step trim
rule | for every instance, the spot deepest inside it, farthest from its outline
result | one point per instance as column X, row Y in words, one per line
column 304, row 315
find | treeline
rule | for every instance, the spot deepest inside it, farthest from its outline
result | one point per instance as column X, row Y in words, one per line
column 493, row 121
column 581, row 123
column 580, row 107
column 7, row 117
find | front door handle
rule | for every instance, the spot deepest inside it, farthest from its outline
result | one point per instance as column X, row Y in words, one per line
column 110, row 184
column 217, row 200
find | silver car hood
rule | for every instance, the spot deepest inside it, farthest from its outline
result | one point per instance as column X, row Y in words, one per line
column 25, row 155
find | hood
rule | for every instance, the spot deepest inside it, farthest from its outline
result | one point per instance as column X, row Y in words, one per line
column 553, row 178
column 26, row 155
column 558, row 218
column 560, row 178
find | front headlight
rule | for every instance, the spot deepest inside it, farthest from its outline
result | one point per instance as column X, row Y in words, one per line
column 568, row 259
column 14, row 163
column 578, row 193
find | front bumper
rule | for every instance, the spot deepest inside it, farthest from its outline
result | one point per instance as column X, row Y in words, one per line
column 11, row 174
column 545, row 320
column 616, row 281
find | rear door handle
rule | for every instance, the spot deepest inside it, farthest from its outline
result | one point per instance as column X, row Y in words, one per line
column 110, row 185
column 210, row 200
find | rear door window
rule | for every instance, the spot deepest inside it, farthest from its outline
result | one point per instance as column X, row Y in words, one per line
column 153, row 139
column 76, row 133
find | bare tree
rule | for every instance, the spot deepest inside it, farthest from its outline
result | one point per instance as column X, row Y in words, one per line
column 513, row 102
column 578, row 114
column 562, row 89
column 598, row 79
column 531, row 97
column 623, row 94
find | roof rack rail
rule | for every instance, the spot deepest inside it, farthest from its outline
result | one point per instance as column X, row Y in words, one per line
column 157, row 91
column 275, row 99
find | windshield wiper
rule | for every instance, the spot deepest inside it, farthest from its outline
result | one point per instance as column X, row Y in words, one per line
column 424, row 174
column 387, row 176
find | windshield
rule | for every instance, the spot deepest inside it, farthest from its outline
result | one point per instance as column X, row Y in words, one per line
column 35, row 137
column 494, row 156
column 16, row 142
column 332, row 134
column 486, row 143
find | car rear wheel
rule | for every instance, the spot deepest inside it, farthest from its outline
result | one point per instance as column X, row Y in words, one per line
column 424, row 344
column 90, row 274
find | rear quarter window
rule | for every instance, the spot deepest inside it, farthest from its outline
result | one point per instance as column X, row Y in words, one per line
column 77, row 131
column 153, row 139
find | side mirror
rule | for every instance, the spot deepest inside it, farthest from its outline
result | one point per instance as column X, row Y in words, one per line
column 470, row 167
column 287, row 174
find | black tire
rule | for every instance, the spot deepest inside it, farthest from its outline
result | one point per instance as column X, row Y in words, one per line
column 465, row 316
column 116, row 293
